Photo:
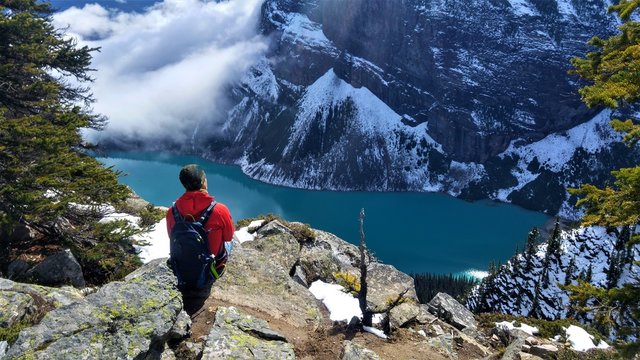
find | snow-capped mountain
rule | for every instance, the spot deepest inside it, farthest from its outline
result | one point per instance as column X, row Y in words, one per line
column 530, row 285
column 471, row 98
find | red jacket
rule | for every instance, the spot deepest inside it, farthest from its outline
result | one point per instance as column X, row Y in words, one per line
column 220, row 225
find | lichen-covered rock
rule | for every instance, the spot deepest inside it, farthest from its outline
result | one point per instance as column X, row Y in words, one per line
column 277, row 240
column 545, row 351
column 252, row 280
column 123, row 319
column 353, row 351
column 448, row 309
column 238, row 336
column 189, row 350
column 27, row 303
column 402, row 314
column 386, row 284
column 300, row 277
column 61, row 268
column 15, row 307
column 317, row 263
column 182, row 327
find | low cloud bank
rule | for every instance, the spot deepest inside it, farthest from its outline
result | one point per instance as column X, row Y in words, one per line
column 161, row 73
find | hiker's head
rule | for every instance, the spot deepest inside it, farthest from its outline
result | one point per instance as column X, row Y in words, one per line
column 193, row 177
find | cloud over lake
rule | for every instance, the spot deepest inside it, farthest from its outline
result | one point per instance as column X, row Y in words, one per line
column 162, row 72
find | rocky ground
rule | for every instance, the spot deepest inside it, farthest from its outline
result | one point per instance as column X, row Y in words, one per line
column 261, row 308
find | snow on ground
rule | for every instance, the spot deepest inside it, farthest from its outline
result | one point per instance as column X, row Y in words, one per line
column 341, row 305
column 506, row 325
column 581, row 340
column 158, row 243
column 243, row 235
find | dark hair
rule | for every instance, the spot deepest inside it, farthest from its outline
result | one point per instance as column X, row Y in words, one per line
column 192, row 177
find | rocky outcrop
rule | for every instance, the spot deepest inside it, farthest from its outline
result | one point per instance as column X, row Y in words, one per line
column 255, row 311
column 353, row 351
column 27, row 303
column 254, row 280
column 57, row 269
column 123, row 319
column 235, row 335
column 446, row 307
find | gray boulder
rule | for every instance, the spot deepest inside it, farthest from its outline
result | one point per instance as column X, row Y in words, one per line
column 189, row 350
column 27, row 303
column 17, row 268
column 182, row 327
column 353, row 351
column 252, row 280
column 123, row 319
column 386, row 284
column 545, row 351
column 327, row 255
column 235, row 335
column 448, row 309
column 277, row 240
column 15, row 307
column 403, row 314
column 61, row 268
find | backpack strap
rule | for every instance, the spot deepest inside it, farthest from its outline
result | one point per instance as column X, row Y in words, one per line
column 176, row 214
column 206, row 213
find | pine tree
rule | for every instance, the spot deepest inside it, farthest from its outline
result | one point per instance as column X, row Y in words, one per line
column 515, row 265
column 530, row 248
column 43, row 171
column 568, row 275
column 553, row 244
column 612, row 70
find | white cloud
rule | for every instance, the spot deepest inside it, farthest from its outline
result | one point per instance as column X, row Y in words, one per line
column 162, row 71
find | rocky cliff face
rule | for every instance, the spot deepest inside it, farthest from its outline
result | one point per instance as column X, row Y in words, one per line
column 262, row 308
column 469, row 98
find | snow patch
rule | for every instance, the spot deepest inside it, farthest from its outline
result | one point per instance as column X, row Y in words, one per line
column 581, row 340
column 342, row 306
column 506, row 325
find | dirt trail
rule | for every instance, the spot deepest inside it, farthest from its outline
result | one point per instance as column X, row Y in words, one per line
column 325, row 343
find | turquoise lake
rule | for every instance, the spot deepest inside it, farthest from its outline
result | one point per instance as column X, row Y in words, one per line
column 415, row 232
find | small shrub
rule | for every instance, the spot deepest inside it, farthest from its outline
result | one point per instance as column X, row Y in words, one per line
column 266, row 217
column 349, row 281
column 150, row 216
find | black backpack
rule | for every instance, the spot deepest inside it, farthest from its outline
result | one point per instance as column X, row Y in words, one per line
column 190, row 257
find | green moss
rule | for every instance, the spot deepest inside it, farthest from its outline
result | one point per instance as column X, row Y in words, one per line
column 10, row 334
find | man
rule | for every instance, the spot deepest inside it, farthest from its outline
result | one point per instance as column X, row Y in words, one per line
column 191, row 206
